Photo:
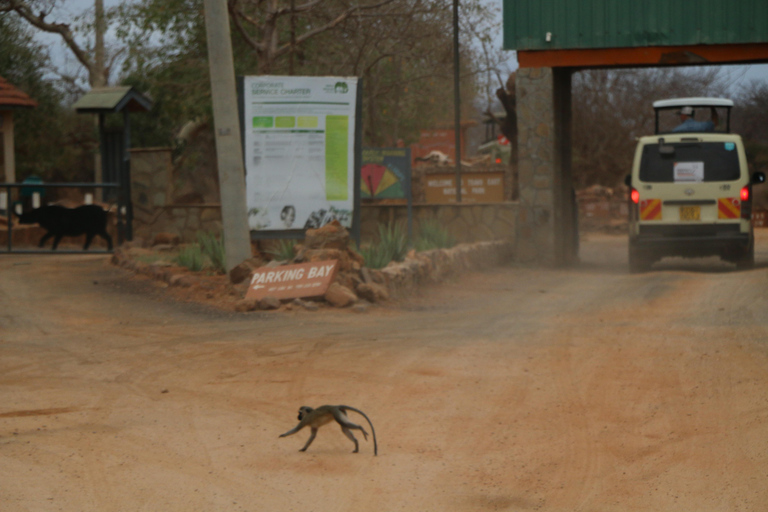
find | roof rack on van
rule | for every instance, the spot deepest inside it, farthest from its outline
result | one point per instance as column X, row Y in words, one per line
column 678, row 103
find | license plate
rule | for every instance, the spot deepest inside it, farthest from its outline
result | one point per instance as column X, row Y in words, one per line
column 688, row 213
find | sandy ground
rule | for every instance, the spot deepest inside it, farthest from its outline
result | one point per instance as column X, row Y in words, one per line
column 516, row 389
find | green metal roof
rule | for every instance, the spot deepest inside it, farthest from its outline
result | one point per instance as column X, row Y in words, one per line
column 113, row 99
column 575, row 24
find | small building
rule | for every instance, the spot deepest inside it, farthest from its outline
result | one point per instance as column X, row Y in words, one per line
column 11, row 99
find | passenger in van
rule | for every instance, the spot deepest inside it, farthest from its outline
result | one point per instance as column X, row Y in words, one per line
column 688, row 124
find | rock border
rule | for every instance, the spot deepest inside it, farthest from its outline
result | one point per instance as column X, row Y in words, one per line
column 356, row 287
column 437, row 264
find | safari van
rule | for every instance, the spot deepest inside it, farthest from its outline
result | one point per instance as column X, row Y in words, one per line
column 690, row 191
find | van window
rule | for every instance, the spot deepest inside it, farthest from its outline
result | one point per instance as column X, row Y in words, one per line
column 690, row 161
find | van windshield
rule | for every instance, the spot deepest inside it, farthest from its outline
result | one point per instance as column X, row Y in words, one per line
column 690, row 162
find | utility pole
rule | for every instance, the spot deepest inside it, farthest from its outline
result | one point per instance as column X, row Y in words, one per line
column 229, row 152
column 96, row 78
column 457, row 98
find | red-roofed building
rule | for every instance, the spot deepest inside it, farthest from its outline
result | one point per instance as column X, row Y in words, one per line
column 11, row 99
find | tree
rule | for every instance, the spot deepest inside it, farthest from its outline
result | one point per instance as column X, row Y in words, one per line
column 275, row 28
column 97, row 61
column 401, row 48
column 50, row 141
column 613, row 107
column 749, row 119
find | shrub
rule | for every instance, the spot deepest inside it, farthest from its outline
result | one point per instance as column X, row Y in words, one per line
column 432, row 235
column 283, row 250
column 390, row 247
column 213, row 249
column 191, row 257
column 207, row 252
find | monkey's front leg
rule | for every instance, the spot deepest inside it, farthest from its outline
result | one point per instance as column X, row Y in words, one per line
column 292, row 431
column 309, row 441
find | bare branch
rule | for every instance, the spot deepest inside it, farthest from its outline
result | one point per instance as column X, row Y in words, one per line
column 38, row 21
column 237, row 14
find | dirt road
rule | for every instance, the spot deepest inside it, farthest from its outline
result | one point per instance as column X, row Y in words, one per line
column 586, row 389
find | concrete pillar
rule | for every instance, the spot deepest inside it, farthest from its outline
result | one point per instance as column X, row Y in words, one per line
column 9, row 161
column 229, row 152
column 546, row 222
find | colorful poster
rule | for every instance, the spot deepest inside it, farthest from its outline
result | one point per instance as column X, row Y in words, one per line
column 385, row 173
column 299, row 140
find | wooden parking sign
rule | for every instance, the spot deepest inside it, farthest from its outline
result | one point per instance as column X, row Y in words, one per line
column 292, row 281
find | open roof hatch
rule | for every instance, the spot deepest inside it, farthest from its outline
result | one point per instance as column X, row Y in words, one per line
column 678, row 103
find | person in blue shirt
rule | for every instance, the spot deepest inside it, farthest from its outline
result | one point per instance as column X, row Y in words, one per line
column 688, row 124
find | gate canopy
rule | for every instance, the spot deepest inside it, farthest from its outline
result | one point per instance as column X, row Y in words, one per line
column 105, row 100
column 587, row 33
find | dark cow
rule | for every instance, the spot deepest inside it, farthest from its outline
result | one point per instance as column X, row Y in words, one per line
column 58, row 221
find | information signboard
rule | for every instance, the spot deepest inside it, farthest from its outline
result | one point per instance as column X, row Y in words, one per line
column 299, row 150
column 486, row 187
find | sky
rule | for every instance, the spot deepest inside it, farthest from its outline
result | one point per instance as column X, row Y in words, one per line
column 741, row 75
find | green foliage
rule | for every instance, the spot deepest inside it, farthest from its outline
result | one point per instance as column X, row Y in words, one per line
column 392, row 242
column 213, row 249
column 51, row 142
column 207, row 252
column 283, row 250
column 168, row 61
column 613, row 107
column 191, row 257
column 390, row 247
column 432, row 235
column 404, row 65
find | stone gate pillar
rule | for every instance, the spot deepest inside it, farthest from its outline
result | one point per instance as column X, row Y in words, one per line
column 546, row 231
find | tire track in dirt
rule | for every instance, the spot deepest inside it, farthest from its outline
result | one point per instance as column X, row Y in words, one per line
column 521, row 389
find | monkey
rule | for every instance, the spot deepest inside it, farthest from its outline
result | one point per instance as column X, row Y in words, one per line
column 323, row 415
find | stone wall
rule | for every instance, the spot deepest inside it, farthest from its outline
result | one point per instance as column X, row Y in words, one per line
column 154, row 211
column 183, row 220
column 466, row 222
column 152, row 192
column 435, row 265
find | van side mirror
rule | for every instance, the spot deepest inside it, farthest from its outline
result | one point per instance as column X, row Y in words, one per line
column 758, row 177
column 628, row 180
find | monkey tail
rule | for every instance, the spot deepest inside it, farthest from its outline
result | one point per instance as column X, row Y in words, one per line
column 345, row 408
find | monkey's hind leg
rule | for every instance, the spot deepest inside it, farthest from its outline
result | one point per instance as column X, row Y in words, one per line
column 343, row 420
column 350, row 436
column 309, row 441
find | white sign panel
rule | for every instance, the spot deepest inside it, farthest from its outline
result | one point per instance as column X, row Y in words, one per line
column 689, row 171
column 299, row 151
